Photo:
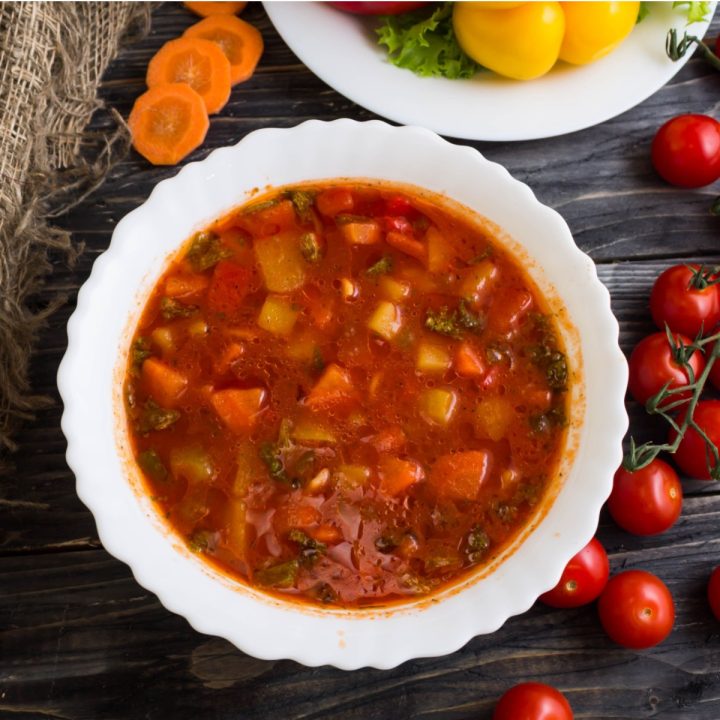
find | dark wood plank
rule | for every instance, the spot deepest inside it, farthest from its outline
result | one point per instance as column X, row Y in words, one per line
column 79, row 638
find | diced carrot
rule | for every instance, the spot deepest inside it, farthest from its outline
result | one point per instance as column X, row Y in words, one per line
column 271, row 220
column 389, row 440
column 397, row 476
column 167, row 123
column 201, row 64
column 408, row 245
column 288, row 517
column 241, row 42
column 207, row 8
column 228, row 287
column 468, row 362
column 334, row 201
column 509, row 313
column 239, row 409
column 459, row 476
column 185, row 285
column 164, row 383
column 334, row 387
column 361, row 233
column 229, row 355
column 328, row 534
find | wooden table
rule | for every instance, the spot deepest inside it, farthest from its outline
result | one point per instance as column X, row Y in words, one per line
column 79, row 638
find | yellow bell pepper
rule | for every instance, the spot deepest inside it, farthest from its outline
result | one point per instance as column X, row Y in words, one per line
column 521, row 42
column 594, row 29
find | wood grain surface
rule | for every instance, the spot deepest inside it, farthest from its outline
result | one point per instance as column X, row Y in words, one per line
column 80, row 639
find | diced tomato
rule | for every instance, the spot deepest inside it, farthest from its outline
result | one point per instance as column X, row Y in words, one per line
column 398, row 205
column 230, row 354
column 164, row 383
column 228, row 287
column 334, row 201
column 292, row 516
column 237, row 408
column 468, row 362
column 397, row 223
column 493, row 377
column 460, row 476
column 397, row 476
column 327, row 534
column 185, row 285
column 270, row 221
column 407, row 244
column 335, row 387
column 389, row 440
column 361, row 233
column 508, row 314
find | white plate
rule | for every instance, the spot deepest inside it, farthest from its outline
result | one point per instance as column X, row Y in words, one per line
column 341, row 50
column 109, row 305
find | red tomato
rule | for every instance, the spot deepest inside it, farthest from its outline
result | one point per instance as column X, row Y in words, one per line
column 583, row 579
column 690, row 455
column 714, row 376
column 686, row 309
column 533, row 701
column 652, row 365
column 713, row 592
column 377, row 8
column 686, row 150
column 636, row 609
column 647, row 501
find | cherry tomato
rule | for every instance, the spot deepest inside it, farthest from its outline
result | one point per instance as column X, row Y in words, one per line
column 533, row 701
column 636, row 609
column 652, row 365
column 686, row 150
column 713, row 592
column 714, row 376
column 583, row 579
column 690, row 455
column 377, row 8
column 685, row 308
column 647, row 501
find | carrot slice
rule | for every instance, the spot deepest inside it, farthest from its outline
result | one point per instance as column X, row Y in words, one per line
column 201, row 64
column 408, row 245
column 207, row 8
column 241, row 42
column 167, row 123
column 468, row 363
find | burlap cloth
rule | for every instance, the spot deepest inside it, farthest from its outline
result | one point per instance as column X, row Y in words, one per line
column 52, row 56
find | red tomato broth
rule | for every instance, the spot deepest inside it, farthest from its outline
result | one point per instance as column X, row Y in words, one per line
column 345, row 532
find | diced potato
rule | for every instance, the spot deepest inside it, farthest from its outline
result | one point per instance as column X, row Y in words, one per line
column 460, row 476
column 239, row 409
column 277, row 315
column 386, row 320
column 302, row 348
column 236, row 536
column 393, row 289
column 397, row 476
column 348, row 289
column 433, row 358
column 352, row 475
column 493, row 416
column 281, row 261
column 197, row 328
column 309, row 431
column 334, row 387
column 192, row 463
column 164, row 383
column 477, row 281
column 440, row 253
column 419, row 279
column 438, row 405
column 163, row 338
column 361, row 233
column 249, row 469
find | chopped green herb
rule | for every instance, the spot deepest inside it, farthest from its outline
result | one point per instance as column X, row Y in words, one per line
column 478, row 543
column 206, row 251
column 468, row 319
column 552, row 362
column 310, row 247
column 443, row 321
column 151, row 464
column 542, row 422
column 496, row 352
column 271, row 457
column 154, row 417
column 345, row 218
column 324, row 593
column 383, row 266
column 139, row 353
column 171, row 309
column 302, row 201
column 506, row 513
column 282, row 575
column 200, row 541
column 310, row 549
column 259, row 207
column 415, row 584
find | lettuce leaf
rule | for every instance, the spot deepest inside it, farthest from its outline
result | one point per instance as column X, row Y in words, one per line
column 425, row 43
column 696, row 11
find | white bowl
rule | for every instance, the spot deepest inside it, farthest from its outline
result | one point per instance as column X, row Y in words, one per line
column 109, row 305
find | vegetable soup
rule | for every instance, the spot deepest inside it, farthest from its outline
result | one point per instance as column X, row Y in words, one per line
column 347, row 393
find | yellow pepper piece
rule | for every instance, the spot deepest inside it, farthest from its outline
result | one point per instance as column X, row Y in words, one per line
column 521, row 42
column 594, row 29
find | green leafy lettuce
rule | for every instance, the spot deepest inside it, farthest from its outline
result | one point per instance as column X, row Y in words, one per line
column 426, row 44
column 696, row 11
